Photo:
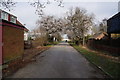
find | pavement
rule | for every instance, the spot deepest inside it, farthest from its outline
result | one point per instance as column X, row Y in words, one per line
column 60, row 61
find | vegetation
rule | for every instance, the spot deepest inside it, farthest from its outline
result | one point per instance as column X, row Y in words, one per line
column 49, row 30
column 79, row 22
column 109, row 66
column 76, row 24
column 38, row 4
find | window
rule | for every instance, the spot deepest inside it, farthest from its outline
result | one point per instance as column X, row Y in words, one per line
column 4, row 15
column 13, row 19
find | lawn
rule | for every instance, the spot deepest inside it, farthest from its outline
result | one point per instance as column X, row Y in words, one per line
column 107, row 65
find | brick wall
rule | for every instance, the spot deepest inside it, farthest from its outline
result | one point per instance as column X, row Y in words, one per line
column 0, row 44
column 13, row 39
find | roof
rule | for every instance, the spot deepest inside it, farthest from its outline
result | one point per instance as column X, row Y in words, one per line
column 7, row 23
column 19, row 23
column 25, row 29
column 7, row 13
column 99, row 35
column 113, row 24
column 115, row 16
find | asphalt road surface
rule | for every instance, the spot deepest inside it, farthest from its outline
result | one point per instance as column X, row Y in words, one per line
column 60, row 61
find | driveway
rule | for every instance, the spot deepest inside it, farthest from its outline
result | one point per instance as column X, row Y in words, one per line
column 60, row 61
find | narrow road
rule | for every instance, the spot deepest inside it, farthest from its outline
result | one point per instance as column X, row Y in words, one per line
column 60, row 61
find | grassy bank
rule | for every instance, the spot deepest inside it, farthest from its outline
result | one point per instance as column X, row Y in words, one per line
column 109, row 66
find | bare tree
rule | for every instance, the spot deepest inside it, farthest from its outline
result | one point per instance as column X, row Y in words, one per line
column 7, row 4
column 38, row 4
column 76, row 24
column 79, row 22
column 103, row 26
column 52, row 26
column 95, row 29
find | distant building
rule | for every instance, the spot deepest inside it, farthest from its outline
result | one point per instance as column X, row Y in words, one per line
column 26, row 34
column 100, row 36
column 11, row 37
column 34, row 35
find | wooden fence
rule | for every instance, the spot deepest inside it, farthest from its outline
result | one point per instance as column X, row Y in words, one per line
column 111, row 46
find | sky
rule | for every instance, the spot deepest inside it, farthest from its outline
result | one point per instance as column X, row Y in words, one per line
column 100, row 8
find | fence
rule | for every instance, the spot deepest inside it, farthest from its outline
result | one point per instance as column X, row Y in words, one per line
column 112, row 46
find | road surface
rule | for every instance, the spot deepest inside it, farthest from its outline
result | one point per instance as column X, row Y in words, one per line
column 60, row 61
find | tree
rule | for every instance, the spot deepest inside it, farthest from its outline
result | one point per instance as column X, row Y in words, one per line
column 52, row 26
column 7, row 4
column 38, row 4
column 103, row 26
column 95, row 29
column 79, row 22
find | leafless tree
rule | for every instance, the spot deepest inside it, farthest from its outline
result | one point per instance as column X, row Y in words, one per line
column 7, row 4
column 52, row 26
column 38, row 4
column 95, row 29
column 103, row 26
column 79, row 22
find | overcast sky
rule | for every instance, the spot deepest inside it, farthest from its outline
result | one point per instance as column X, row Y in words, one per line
column 101, row 9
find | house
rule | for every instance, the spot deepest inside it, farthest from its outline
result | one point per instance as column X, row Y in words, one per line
column 113, row 24
column 27, row 39
column 11, row 38
column 26, row 34
column 100, row 36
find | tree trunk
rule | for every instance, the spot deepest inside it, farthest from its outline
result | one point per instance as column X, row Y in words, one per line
column 83, row 40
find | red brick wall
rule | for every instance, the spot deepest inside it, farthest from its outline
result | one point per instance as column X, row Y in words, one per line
column 13, row 39
column 0, row 44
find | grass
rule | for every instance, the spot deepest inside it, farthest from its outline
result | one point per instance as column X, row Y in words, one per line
column 109, row 66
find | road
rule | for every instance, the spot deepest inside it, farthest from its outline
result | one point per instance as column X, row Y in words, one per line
column 60, row 61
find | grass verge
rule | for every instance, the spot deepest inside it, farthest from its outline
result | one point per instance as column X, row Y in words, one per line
column 109, row 66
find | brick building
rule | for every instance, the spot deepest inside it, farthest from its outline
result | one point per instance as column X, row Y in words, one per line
column 11, row 38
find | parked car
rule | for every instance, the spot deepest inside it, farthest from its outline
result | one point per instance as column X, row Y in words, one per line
column 28, row 44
